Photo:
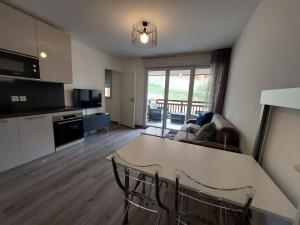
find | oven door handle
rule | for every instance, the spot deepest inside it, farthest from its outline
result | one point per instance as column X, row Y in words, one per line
column 70, row 121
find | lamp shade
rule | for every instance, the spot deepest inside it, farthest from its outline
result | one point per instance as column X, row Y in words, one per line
column 144, row 34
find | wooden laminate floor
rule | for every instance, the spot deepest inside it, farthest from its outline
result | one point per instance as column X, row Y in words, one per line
column 75, row 186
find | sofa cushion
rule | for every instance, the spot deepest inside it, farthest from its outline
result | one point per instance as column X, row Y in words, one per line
column 188, row 126
column 204, row 119
column 199, row 120
column 226, row 132
column 153, row 105
column 183, row 136
column 206, row 133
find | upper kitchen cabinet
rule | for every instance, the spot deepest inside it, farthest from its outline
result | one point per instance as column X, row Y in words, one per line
column 18, row 32
column 54, row 47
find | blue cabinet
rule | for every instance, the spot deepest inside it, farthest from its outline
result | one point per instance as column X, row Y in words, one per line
column 94, row 122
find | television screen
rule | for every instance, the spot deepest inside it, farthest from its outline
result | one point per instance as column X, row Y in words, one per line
column 85, row 98
column 95, row 98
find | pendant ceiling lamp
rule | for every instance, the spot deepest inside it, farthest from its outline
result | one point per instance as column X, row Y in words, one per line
column 144, row 34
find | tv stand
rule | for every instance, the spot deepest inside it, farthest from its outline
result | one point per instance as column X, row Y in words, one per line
column 95, row 122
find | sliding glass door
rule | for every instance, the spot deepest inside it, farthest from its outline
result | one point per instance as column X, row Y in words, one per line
column 201, row 92
column 175, row 95
column 155, row 98
column 178, row 93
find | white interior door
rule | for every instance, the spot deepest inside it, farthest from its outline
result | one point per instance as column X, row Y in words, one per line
column 127, row 98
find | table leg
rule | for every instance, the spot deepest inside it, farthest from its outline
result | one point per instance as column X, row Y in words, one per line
column 126, row 203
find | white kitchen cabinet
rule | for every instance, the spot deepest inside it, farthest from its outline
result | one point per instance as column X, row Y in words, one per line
column 10, row 149
column 18, row 31
column 36, row 136
column 57, row 65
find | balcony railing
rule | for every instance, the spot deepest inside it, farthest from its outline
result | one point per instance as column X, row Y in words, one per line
column 178, row 106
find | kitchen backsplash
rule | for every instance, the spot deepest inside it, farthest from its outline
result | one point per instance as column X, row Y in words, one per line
column 23, row 95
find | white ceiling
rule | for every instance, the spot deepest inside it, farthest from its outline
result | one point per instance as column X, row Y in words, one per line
column 183, row 25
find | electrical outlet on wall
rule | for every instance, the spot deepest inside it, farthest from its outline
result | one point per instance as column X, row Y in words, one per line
column 14, row 98
column 23, row 98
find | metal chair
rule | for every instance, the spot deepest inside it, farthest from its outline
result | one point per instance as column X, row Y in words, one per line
column 203, row 204
column 143, row 190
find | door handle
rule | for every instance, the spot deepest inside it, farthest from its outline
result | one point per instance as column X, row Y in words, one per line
column 70, row 121
column 3, row 121
column 131, row 99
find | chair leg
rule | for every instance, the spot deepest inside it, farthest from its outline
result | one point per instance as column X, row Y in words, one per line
column 157, row 190
column 126, row 203
column 189, row 210
column 144, row 185
column 163, row 208
column 125, row 216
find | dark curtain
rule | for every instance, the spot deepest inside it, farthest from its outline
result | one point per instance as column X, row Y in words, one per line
column 220, row 63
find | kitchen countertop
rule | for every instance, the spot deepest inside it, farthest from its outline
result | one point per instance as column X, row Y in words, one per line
column 37, row 112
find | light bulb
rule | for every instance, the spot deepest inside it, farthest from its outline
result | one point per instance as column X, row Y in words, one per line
column 43, row 54
column 144, row 38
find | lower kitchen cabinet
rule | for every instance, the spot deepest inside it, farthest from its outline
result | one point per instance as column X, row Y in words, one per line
column 10, row 148
column 36, row 136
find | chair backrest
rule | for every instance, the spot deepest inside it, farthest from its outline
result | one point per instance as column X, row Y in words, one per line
column 237, row 200
column 134, row 177
column 153, row 105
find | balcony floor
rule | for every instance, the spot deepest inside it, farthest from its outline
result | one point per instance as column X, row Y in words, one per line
column 171, row 126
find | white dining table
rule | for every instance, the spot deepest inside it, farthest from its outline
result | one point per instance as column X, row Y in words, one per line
column 212, row 167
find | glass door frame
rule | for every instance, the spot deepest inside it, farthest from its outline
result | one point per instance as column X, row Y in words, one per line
column 190, row 92
column 166, row 93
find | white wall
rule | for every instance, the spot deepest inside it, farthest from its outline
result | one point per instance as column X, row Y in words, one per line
column 266, row 56
column 281, row 154
column 282, row 151
column 88, row 67
column 137, row 65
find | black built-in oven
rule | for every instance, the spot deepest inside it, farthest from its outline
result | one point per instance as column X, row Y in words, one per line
column 67, row 128
column 16, row 65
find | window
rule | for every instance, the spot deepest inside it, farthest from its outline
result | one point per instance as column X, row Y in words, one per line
column 189, row 95
column 201, row 91
column 108, row 84
column 202, row 85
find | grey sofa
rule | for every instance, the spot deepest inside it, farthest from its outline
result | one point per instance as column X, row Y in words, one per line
column 226, row 138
